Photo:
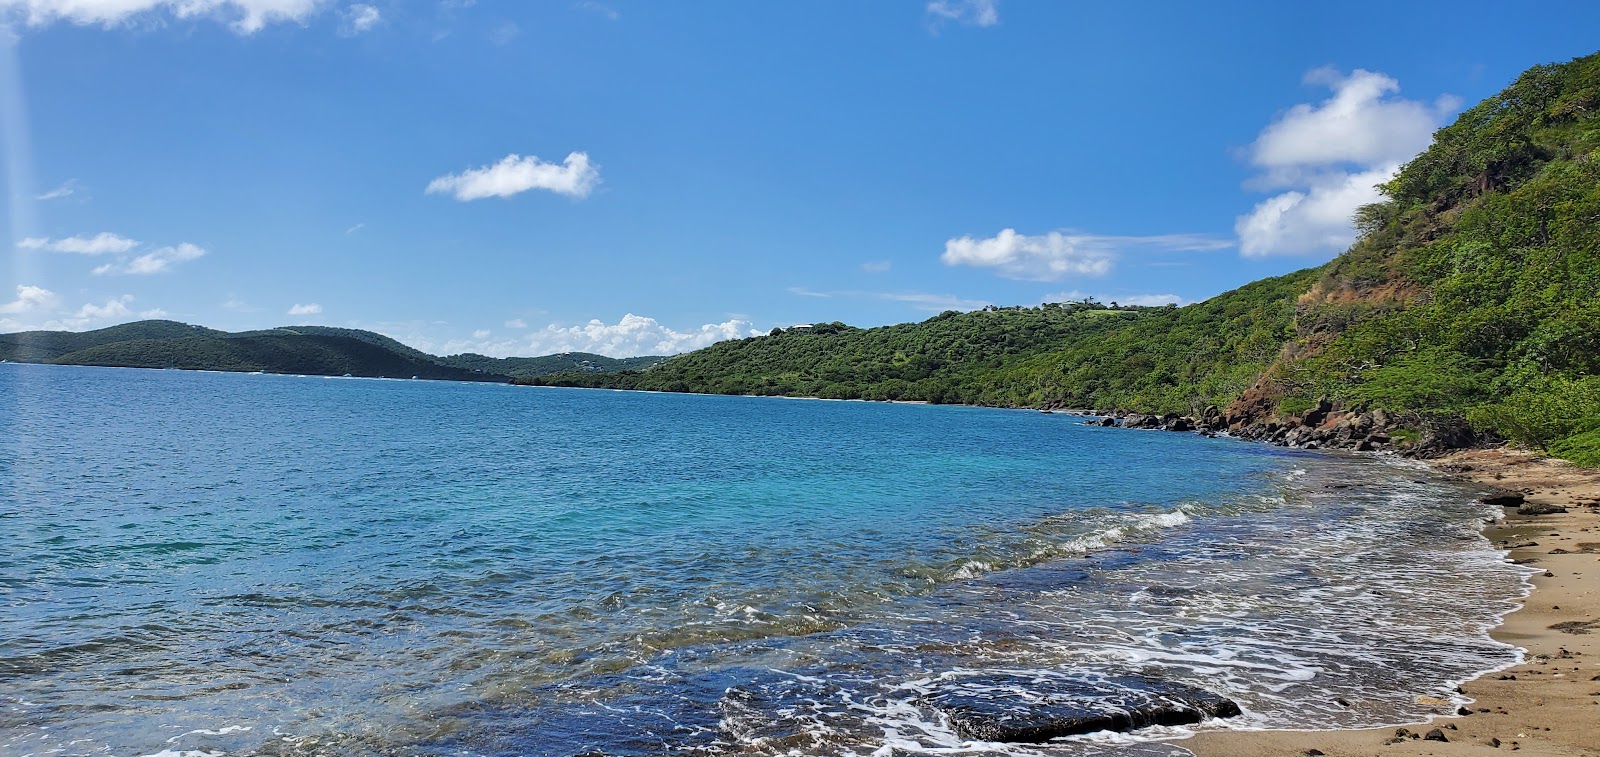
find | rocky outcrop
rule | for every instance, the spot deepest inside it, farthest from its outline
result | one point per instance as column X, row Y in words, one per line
column 1503, row 498
column 1035, row 709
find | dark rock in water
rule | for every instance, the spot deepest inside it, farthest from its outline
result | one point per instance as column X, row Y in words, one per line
column 1137, row 420
column 1539, row 508
column 1035, row 709
column 1502, row 497
column 1106, row 422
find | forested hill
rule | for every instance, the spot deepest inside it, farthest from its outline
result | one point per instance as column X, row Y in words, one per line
column 310, row 350
column 1471, row 303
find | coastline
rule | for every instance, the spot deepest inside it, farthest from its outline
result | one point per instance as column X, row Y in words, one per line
column 1547, row 705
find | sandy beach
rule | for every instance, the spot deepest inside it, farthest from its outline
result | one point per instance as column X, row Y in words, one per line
column 1548, row 705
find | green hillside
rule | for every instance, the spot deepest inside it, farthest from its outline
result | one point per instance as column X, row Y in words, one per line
column 311, row 350
column 46, row 346
column 1470, row 305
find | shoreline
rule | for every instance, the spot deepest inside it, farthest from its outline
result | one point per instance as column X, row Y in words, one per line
column 1549, row 704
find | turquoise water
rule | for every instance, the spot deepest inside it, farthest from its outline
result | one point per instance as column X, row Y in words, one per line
column 204, row 564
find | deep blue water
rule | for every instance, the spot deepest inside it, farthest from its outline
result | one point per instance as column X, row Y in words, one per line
column 196, row 563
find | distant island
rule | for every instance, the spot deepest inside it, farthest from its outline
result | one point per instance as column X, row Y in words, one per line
column 309, row 350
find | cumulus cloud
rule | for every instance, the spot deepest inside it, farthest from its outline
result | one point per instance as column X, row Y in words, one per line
column 30, row 299
column 632, row 335
column 310, row 308
column 357, row 19
column 981, row 13
column 99, row 244
column 67, row 189
column 92, row 315
column 515, row 174
column 244, row 16
column 155, row 261
column 1330, row 157
column 1143, row 300
column 1057, row 254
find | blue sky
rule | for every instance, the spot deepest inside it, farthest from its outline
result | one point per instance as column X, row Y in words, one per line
column 638, row 177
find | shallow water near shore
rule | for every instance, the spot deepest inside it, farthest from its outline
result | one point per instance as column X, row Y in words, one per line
column 206, row 564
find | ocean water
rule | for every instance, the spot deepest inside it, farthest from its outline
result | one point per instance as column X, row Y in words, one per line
column 197, row 564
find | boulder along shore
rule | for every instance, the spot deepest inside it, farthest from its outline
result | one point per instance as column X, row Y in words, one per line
column 1549, row 704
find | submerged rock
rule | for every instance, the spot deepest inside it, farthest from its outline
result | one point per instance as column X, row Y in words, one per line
column 1034, row 709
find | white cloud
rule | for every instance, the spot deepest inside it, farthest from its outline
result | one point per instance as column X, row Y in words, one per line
column 91, row 314
column 970, row 12
column 357, row 19
column 99, row 244
column 1143, row 300
column 877, row 266
column 355, row 228
column 156, row 261
column 29, row 299
column 515, row 174
column 516, row 323
column 244, row 16
column 1330, row 157
column 633, row 335
column 310, row 308
column 480, row 334
column 67, row 189
column 630, row 336
column 234, row 304
column 1052, row 256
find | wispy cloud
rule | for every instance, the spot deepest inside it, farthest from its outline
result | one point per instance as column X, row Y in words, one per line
column 920, row 300
column 155, row 261
column 981, row 13
column 355, row 228
column 877, row 266
column 1058, row 254
column 100, row 244
column 310, row 308
column 236, row 305
column 504, row 33
column 1330, row 157
column 67, row 189
column 516, row 323
column 514, row 174
column 358, row 18
column 243, row 16
column 600, row 8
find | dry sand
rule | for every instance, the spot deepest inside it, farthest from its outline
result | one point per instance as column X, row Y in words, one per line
column 1550, row 704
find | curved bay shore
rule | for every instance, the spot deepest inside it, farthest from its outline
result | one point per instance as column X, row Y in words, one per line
column 1549, row 704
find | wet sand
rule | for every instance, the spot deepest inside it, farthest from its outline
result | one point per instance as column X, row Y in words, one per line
column 1550, row 704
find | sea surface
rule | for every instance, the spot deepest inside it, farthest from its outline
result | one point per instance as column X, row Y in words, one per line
column 205, row 564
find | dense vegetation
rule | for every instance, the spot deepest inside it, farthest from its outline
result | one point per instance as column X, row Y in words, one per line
column 1472, row 297
column 310, row 350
